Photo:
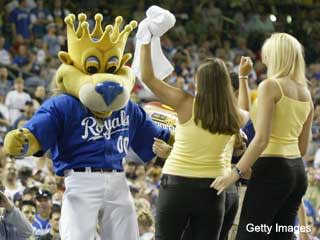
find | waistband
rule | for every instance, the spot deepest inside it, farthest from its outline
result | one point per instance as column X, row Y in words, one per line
column 173, row 180
column 287, row 161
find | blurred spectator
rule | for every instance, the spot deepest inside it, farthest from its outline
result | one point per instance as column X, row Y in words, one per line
column 212, row 16
column 21, row 60
column 29, row 209
column 25, row 176
column 27, row 113
column 242, row 49
column 16, row 99
column 40, row 94
column 17, row 43
column 41, row 223
column 20, row 20
column 40, row 17
column 54, row 222
column 154, row 175
column 145, row 222
column 30, row 194
column 39, row 50
column 13, row 224
column 51, row 40
column 10, row 176
column 50, row 184
column 130, row 170
column 5, row 57
column 140, row 173
column 59, row 13
column 5, row 83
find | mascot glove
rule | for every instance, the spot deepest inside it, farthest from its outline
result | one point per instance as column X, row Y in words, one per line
column 21, row 142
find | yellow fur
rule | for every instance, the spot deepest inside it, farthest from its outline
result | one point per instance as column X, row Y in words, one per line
column 106, row 47
column 13, row 143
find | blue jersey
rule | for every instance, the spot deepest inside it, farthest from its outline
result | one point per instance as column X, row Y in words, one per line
column 77, row 139
column 248, row 129
column 41, row 227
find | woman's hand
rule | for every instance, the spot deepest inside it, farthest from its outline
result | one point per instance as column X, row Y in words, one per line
column 224, row 182
column 161, row 148
column 245, row 66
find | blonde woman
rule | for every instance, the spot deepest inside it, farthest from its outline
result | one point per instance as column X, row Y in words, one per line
column 282, row 117
column 204, row 140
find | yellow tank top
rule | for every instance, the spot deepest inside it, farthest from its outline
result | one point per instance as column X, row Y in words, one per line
column 198, row 153
column 287, row 122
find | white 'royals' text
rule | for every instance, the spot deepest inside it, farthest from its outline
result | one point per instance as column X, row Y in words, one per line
column 94, row 130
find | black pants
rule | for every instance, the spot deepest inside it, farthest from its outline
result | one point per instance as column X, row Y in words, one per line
column 273, row 198
column 190, row 201
column 230, row 212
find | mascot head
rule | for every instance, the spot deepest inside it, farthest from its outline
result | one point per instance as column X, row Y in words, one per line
column 93, row 70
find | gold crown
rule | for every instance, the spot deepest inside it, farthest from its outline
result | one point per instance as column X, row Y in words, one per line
column 81, row 39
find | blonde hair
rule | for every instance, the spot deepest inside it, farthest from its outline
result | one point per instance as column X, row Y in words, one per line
column 145, row 219
column 283, row 56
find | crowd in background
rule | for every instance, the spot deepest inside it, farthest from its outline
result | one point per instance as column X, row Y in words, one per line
column 32, row 32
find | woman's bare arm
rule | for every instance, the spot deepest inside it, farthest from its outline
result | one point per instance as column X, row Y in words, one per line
column 245, row 68
column 266, row 104
column 306, row 132
column 169, row 95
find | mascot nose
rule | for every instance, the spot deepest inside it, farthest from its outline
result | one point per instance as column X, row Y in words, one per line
column 109, row 91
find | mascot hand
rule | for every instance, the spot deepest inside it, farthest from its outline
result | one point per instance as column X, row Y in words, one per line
column 21, row 142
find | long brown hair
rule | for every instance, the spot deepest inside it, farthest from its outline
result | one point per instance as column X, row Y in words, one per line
column 215, row 104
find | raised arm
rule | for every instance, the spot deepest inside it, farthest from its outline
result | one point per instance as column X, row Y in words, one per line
column 169, row 95
column 15, row 218
column 266, row 104
column 245, row 68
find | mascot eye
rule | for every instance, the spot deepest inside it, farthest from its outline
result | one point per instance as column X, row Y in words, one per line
column 92, row 65
column 112, row 65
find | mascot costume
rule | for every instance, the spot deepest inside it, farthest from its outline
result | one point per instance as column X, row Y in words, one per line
column 88, row 127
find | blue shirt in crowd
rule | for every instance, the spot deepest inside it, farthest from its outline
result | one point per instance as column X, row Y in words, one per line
column 77, row 139
column 21, row 19
column 41, row 227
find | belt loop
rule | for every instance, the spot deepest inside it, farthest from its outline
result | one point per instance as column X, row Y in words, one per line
column 88, row 169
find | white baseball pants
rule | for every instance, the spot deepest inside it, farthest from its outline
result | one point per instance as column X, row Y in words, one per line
column 92, row 198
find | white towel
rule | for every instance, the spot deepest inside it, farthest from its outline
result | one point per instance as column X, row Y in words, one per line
column 157, row 22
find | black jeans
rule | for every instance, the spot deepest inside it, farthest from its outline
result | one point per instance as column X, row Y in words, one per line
column 272, row 199
column 190, row 201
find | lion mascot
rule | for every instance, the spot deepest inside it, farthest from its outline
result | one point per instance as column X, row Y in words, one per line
column 88, row 126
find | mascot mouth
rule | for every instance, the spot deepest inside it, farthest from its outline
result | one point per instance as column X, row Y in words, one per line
column 102, row 114
column 104, row 97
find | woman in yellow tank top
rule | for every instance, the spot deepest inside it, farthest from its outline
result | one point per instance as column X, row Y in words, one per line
column 204, row 141
column 282, row 117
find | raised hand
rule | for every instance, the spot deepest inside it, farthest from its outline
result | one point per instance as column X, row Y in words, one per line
column 5, row 202
column 245, row 66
